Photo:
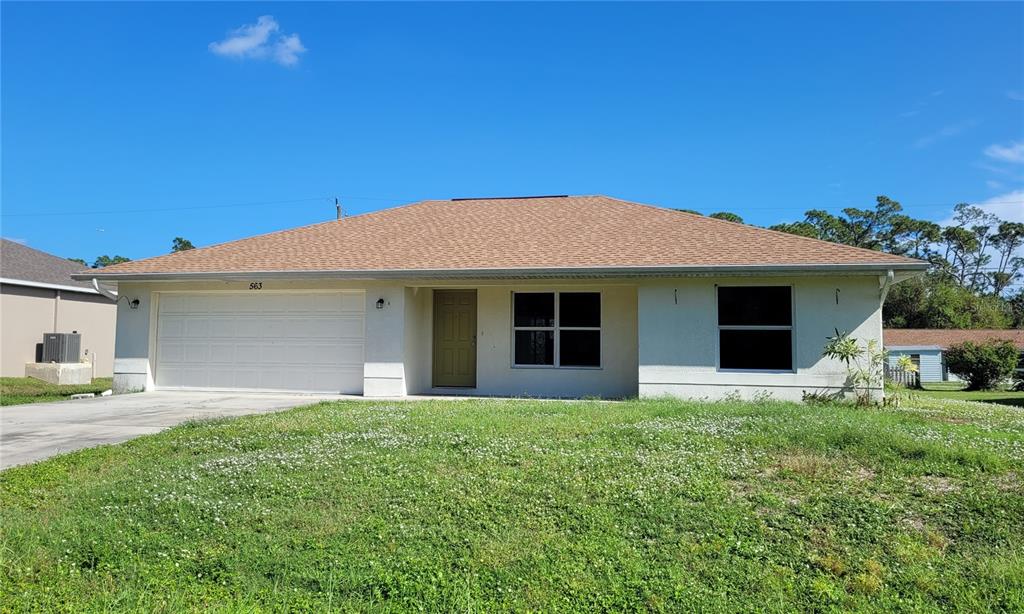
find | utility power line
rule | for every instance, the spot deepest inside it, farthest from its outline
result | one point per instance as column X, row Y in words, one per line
column 793, row 210
column 194, row 207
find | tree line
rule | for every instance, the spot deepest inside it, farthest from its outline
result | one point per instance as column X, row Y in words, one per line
column 976, row 262
column 179, row 244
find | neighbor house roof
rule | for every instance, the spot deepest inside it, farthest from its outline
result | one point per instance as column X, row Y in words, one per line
column 24, row 266
column 945, row 337
column 513, row 234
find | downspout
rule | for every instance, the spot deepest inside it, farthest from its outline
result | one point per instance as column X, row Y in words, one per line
column 883, row 293
column 56, row 310
column 886, row 284
column 112, row 296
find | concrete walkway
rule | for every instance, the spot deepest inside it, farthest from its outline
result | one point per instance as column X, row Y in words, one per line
column 35, row 431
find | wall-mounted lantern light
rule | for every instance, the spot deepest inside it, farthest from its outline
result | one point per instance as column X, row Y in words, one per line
column 380, row 303
column 134, row 303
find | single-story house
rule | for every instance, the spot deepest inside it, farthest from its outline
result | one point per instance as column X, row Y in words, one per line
column 38, row 296
column 926, row 346
column 553, row 296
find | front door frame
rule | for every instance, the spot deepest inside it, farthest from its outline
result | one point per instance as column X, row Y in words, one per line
column 434, row 352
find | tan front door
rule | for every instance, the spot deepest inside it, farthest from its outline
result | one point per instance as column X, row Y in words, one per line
column 455, row 338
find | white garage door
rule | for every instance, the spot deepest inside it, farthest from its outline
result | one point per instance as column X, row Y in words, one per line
column 261, row 341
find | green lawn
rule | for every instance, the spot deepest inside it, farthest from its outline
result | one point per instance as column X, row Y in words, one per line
column 529, row 505
column 19, row 390
column 954, row 390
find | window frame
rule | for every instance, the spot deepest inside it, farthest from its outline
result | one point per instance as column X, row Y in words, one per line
column 557, row 329
column 791, row 328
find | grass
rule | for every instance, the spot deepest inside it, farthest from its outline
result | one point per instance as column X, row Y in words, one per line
column 522, row 505
column 954, row 390
column 20, row 390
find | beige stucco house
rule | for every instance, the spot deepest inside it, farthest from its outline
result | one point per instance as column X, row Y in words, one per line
column 541, row 296
column 37, row 296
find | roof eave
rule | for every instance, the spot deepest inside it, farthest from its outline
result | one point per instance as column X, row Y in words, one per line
column 910, row 268
column 46, row 285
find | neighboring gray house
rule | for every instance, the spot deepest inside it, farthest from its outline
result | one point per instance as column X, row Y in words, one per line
column 37, row 296
column 926, row 346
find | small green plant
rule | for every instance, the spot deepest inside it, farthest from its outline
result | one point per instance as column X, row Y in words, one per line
column 895, row 389
column 983, row 365
column 864, row 364
column 818, row 397
column 906, row 363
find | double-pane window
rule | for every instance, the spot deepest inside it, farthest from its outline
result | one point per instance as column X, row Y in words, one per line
column 755, row 328
column 556, row 329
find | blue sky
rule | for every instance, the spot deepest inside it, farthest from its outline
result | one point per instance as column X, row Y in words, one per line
column 125, row 125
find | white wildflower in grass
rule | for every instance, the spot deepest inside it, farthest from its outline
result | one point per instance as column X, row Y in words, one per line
column 523, row 505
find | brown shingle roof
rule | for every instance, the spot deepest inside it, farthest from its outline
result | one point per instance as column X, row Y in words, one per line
column 945, row 337
column 522, row 233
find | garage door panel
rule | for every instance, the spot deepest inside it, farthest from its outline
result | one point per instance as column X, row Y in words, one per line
column 287, row 341
column 327, row 303
column 221, row 377
column 222, row 353
column 197, row 327
column 170, row 351
column 247, row 378
column 353, row 303
column 193, row 374
column 171, row 377
column 248, row 327
column 172, row 304
column 246, row 353
column 223, row 327
column 197, row 352
column 351, row 327
column 349, row 353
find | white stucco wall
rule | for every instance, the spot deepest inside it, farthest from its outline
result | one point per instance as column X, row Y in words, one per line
column 659, row 337
column 616, row 378
column 132, row 360
column 678, row 336
column 384, row 371
column 418, row 335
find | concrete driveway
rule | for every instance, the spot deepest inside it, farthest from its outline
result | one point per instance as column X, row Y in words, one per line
column 39, row 430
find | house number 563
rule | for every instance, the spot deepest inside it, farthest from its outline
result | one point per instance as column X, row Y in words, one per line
column 256, row 285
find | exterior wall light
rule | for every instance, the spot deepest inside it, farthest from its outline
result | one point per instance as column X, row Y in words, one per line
column 380, row 303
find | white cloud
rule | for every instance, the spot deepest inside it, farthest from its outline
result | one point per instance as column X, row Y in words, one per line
column 262, row 40
column 1014, row 152
column 944, row 133
column 994, row 185
column 1008, row 207
column 1015, row 95
column 287, row 50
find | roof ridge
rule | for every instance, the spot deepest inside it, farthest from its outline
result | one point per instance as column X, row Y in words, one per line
column 788, row 235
